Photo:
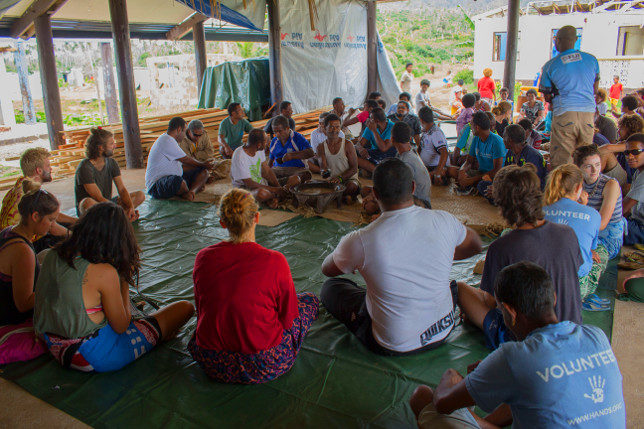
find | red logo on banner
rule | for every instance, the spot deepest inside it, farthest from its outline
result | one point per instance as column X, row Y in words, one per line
column 319, row 37
column 284, row 35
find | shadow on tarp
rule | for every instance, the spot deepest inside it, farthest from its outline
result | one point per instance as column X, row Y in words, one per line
column 335, row 381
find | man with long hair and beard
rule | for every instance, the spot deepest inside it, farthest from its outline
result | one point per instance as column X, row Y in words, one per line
column 95, row 174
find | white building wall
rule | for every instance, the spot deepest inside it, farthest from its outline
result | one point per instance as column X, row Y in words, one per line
column 599, row 37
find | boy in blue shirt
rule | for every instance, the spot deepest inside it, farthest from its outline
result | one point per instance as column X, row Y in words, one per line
column 288, row 151
column 557, row 374
column 519, row 153
column 375, row 144
column 288, row 148
column 487, row 150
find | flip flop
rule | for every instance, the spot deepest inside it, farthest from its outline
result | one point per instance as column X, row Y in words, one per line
column 597, row 300
column 591, row 306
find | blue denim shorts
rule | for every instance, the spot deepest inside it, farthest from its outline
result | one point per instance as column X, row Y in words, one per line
column 169, row 186
column 495, row 331
column 376, row 156
column 166, row 187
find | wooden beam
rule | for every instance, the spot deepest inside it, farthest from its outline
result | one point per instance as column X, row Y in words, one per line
column 127, row 91
column 49, row 79
column 185, row 27
column 510, row 65
column 372, row 48
column 109, row 87
column 201, row 59
column 275, row 52
column 35, row 9
column 29, row 32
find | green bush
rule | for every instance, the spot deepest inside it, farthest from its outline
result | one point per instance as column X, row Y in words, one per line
column 466, row 75
column 20, row 117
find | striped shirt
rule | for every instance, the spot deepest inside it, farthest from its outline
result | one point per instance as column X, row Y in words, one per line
column 596, row 197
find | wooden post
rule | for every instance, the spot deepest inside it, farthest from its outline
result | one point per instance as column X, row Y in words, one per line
column 372, row 48
column 275, row 52
column 127, row 92
column 510, row 65
column 49, row 79
column 109, row 87
column 201, row 60
column 28, row 107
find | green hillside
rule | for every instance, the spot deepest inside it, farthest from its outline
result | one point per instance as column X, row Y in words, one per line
column 425, row 37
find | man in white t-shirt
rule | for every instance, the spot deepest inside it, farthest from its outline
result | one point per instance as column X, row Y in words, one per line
column 405, row 258
column 170, row 172
column 249, row 170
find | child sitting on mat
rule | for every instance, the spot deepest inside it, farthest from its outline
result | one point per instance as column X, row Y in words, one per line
column 19, row 270
column 83, row 297
column 250, row 323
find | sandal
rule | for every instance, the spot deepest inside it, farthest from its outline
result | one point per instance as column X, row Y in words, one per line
column 597, row 300
column 591, row 306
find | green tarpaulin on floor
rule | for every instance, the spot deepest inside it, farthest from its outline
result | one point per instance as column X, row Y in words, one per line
column 335, row 381
column 246, row 82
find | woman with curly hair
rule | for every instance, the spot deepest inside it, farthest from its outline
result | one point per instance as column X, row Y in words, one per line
column 614, row 161
column 554, row 247
column 83, row 297
column 563, row 189
column 251, row 322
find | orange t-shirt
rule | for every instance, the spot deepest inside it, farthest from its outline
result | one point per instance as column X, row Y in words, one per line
column 616, row 90
column 486, row 87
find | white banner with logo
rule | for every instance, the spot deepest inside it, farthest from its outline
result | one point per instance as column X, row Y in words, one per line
column 331, row 61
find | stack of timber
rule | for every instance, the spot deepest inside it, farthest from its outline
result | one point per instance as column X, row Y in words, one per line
column 66, row 158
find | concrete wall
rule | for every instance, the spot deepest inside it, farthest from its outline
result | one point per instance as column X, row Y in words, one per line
column 599, row 37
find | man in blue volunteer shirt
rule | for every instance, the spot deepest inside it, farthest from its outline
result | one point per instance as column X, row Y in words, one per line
column 557, row 374
column 569, row 82
column 375, row 144
column 487, row 150
column 288, row 149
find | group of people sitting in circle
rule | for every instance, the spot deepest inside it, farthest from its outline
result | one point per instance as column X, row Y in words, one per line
column 69, row 277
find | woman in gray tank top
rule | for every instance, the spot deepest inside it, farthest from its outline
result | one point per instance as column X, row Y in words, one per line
column 83, row 297
column 604, row 195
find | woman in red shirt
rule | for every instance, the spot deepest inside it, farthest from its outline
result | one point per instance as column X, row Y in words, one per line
column 250, row 321
column 487, row 87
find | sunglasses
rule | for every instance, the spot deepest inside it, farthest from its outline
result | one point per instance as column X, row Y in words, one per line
column 633, row 152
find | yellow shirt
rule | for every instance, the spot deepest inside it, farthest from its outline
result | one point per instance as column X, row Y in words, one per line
column 9, row 214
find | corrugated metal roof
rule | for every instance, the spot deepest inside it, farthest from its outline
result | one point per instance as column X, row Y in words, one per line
column 103, row 30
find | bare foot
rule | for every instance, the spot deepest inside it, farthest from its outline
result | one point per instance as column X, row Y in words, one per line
column 190, row 196
column 272, row 203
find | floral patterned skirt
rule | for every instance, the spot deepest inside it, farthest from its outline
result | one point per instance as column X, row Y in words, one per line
column 260, row 367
